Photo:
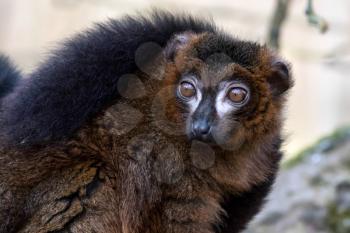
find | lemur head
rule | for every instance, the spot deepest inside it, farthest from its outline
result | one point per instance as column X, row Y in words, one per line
column 226, row 91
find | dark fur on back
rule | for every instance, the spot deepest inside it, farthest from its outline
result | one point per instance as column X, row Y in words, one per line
column 80, row 79
column 9, row 76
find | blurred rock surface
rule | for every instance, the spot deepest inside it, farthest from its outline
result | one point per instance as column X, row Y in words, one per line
column 312, row 193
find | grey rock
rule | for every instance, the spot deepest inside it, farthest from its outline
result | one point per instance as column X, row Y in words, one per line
column 310, row 197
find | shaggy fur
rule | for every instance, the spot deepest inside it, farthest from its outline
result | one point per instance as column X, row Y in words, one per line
column 79, row 155
column 9, row 76
column 81, row 77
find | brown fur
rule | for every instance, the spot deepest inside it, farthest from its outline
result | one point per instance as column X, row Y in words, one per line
column 121, row 173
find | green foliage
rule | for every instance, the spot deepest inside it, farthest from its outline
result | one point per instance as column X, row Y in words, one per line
column 338, row 220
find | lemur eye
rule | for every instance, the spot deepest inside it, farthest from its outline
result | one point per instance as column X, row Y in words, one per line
column 187, row 89
column 237, row 94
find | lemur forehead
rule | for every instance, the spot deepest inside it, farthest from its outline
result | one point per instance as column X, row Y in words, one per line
column 210, row 69
column 212, row 76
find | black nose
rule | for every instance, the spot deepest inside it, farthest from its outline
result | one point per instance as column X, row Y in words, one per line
column 201, row 128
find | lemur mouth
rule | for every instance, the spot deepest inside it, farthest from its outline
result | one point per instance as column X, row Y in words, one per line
column 207, row 138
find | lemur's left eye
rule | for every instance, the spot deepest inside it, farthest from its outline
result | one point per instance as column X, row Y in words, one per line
column 237, row 94
column 187, row 89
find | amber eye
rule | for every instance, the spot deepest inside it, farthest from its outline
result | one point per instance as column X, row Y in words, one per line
column 237, row 94
column 187, row 89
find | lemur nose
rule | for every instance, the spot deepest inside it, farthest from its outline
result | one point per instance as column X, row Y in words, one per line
column 201, row 128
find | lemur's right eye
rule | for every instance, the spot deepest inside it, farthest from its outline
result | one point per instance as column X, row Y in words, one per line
column 237, row 94
column 187, row 90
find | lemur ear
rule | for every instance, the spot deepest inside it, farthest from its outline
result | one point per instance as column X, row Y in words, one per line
column 177, row 42
column 279, row 79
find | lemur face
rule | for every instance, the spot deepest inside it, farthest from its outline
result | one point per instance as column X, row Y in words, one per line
column 222, row 100
column 214, row 98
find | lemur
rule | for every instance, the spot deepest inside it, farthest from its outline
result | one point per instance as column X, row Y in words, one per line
column 161, row 123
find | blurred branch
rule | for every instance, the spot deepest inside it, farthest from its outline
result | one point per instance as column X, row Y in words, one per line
column 279, row 16
column 315, row 19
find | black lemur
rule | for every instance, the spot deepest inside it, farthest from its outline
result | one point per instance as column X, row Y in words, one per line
column 154, row 124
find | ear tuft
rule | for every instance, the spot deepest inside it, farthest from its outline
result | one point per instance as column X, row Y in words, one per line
column 177, row 42
column 279, row 79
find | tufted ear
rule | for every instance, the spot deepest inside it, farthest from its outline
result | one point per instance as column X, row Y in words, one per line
column 279, row 79
column 177, row 42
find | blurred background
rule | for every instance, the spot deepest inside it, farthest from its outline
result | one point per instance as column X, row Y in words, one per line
column 312, row 193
